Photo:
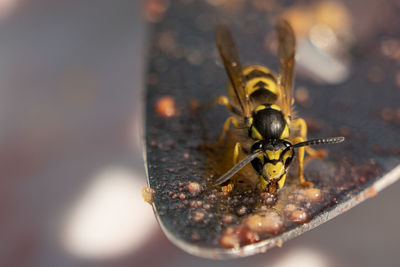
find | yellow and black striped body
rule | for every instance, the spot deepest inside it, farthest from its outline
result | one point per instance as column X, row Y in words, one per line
column 267, row 120
column 261, row 86
column 267, row 126
column 264, row 104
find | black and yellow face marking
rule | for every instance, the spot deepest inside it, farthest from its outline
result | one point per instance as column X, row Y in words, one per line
column 273, row 164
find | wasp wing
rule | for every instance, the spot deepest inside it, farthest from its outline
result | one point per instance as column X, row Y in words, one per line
column 286, row 50
column 237, row 168
column 228, row 52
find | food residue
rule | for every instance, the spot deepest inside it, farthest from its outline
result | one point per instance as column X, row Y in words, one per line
column 266, row 222
column 148, row 194
column 165, row 107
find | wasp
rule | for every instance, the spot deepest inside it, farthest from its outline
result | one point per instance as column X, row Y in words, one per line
column 262, row 102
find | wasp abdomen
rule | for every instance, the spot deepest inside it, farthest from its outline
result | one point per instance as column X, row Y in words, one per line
column 261, row 84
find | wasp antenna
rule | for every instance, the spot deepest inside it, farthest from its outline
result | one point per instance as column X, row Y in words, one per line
column 321, row 141
column 236, row 168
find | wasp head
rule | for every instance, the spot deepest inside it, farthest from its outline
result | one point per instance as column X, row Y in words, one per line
column 273, row 163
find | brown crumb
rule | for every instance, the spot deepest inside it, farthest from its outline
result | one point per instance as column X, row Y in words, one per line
column 227, row 219
column 194, row 188
column 268, row 198
column 241, row 211
column 226, row 189
column 196, row 203
column 198, row 216
column 194, row 105
column 229, row 230
column 154, row 9
column 206, row 206
column 230, row 241
column 289, row 208
column 248, row 236
column 299, row 216
column 387, row 114
column 195, row 236
column 370, row 192
column 165, row 106
column 391, row 49
column 300, row 197
column 296, row 214
column 268, row 222
column 313, row 194
column 148, row 194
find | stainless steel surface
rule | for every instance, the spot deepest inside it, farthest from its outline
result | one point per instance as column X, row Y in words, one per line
column 178, row 142
column 55, row 137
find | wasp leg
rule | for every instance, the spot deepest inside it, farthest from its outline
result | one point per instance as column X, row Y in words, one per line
column 300, row 160
column 236, row 151
column 302, row 126
column 224, row 101
column 225, row 128
column 263, row 184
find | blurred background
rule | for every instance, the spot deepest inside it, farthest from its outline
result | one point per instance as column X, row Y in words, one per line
column 71, row 80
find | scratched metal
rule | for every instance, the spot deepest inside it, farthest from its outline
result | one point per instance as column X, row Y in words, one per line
column 183, row 63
